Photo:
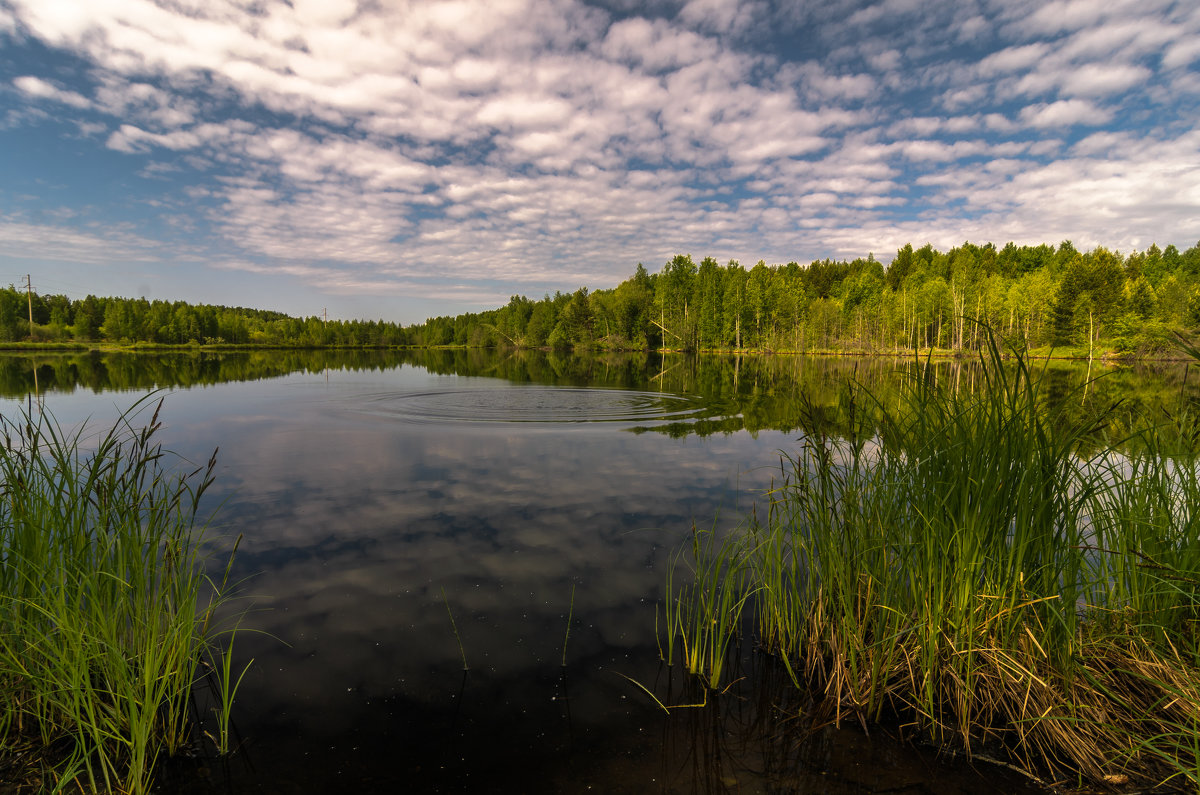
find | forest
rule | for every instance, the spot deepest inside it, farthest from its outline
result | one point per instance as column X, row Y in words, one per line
column 57, row 318
column 1036, row 297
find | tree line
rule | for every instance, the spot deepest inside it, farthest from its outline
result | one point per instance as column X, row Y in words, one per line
column 57, row 318
column 1034, row 296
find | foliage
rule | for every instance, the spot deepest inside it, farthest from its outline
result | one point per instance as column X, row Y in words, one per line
column 56, row 318
column 1039, row 296
column 1036, row 296
column 990, row 566
column 107, row 614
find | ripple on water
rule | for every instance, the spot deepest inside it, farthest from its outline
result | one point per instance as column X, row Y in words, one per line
column 534, row 404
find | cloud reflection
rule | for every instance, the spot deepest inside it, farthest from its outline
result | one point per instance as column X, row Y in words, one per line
column 363, row 531
column 355, row 524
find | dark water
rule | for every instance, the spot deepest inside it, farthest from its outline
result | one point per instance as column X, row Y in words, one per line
column 531, row 502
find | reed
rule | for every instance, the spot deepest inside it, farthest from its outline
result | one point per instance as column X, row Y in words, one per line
column 457, row 637
column 220, row 664
column 106, row 609
column 567, row 634
column 990, row 567
column 705, row 613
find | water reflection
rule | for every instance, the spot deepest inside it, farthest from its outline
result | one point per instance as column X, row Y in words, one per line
column 493, row 403
column 356, row 521
column 671, row 394
column 379, row 495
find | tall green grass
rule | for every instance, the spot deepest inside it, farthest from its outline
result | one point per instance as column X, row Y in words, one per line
column 706, row 611
column 986, row 567
column 106, row 604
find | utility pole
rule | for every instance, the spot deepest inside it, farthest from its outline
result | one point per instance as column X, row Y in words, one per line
column 29, row 300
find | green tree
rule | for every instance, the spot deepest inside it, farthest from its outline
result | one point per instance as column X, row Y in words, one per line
column 734, row 304
column 542, row 320
column 577, row 319
column 1140, row 297
column 934, row 307
column 118, row 325
column 14, row 324
column 89, row 314
column 674, row 291
column 900, row 267
column 709, row 295
column 760, row 300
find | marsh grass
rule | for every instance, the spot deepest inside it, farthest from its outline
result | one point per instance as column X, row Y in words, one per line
column 705, row 612
column 106, row 609
column 988, row 568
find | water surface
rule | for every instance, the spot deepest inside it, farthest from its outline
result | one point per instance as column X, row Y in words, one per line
column 400, row 513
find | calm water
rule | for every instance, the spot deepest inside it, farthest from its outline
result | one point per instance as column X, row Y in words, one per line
column 521, row 494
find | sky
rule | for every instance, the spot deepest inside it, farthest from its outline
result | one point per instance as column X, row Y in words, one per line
column 384, row 159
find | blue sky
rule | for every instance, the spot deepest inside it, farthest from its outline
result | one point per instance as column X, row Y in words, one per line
column 399, row 160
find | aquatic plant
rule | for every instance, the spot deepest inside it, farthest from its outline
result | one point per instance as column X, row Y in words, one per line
column 106, row 606
column 990, row 568
column 567, row 634
column 705, row 613
column 457, row 637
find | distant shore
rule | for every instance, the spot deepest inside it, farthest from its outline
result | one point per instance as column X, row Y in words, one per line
column 1101, row 355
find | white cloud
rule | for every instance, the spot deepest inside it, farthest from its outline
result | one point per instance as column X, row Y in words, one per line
column 721, row 16
column 129, row 138
column 324, row 12
column 939, row 151
column 1101, row 143
column 1065, row 113
column 654, row 45
column 885, row 60
column 1094, row 80
column 21, row 239
column 524, row 111
column 970, row 96
column 1182, row 53
column 544, row 142
column 1121, row 38
column 1121, row 189
column 41, row 89
column 813, row 80
column 1013, row 59
column 1065, row 15
column 886, row 9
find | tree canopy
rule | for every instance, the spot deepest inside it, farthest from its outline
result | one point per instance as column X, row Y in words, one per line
column 1034, row 296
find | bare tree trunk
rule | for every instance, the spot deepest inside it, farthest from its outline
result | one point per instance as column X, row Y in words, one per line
column 1090, row 336
column 978, row 317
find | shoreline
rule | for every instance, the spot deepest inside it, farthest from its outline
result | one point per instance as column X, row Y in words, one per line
column 1105, row 357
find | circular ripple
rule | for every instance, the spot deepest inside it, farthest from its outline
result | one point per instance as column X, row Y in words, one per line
column 535, row 404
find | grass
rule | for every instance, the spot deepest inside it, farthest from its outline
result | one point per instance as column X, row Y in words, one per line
column 106, row 609
column 988, row 569
column 706, row 612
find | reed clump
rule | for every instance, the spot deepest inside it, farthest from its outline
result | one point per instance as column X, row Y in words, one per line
column 108, row 613
column 989, row 569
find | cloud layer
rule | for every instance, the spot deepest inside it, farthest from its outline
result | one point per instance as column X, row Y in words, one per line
column 464, row 151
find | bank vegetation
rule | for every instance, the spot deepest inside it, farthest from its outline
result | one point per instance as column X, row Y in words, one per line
column 1043, row 297
column 988, row 571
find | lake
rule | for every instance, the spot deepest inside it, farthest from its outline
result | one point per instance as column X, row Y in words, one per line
column 402, row 512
